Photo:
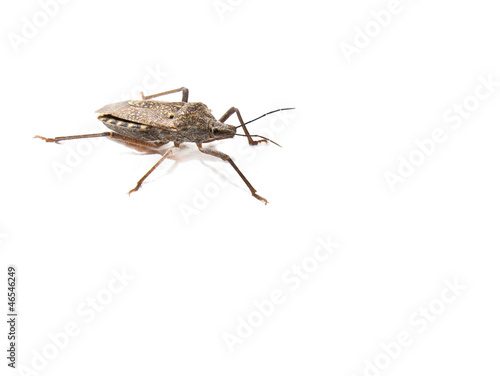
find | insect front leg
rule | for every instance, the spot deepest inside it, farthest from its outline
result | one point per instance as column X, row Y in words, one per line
column 233, row 110
column 227, row 158
column 185, row 94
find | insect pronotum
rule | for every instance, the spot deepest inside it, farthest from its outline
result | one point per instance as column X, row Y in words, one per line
column 148, row 124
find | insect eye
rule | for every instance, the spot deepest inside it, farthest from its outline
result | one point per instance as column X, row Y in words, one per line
column 215, row 131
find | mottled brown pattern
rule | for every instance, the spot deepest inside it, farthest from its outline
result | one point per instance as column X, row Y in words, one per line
column 168, row 121
column 130, row 129
column 140, row 115
column 164, row 109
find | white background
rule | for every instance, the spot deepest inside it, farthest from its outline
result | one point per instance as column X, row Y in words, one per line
column 195, row 276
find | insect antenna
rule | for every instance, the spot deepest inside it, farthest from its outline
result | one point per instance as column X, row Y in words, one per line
column 256, row 135
column 268, row 113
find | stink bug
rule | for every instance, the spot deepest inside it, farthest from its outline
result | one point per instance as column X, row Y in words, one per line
column 147, row 125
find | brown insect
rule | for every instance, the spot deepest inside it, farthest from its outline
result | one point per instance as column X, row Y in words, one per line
column 147, row 125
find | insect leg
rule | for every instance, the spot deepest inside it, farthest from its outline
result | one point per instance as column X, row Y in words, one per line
column 231, row 111
column 139, row 183
column 125, row 139
column 185, row 93
column 227, row 158
column 57, row 139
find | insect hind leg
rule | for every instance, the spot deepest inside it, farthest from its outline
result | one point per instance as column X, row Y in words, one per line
column 129, row 141
column 64, row 138
column 185, row 94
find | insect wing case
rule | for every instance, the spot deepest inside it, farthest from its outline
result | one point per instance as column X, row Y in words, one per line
column 143, row 120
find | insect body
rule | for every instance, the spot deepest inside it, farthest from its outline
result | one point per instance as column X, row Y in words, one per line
column 149, row 124
column 165, row 121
